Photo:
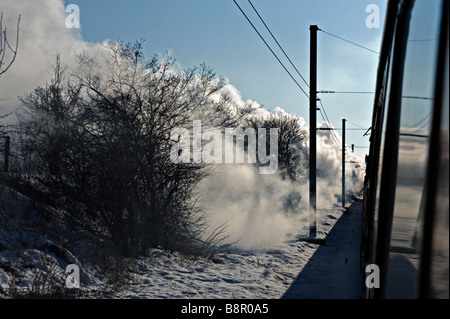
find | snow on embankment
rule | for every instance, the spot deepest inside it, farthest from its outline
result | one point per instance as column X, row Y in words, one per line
column 292, row 269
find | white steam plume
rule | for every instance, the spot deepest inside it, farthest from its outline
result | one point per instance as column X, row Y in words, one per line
column 42, row 35
column 254, row 205
column 261, row 211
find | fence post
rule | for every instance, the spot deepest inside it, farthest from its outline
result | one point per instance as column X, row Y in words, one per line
column 7, row 145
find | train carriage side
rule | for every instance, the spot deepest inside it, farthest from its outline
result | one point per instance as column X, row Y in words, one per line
column 406, row 187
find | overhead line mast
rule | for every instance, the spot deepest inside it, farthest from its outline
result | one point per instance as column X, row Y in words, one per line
column 313, row 131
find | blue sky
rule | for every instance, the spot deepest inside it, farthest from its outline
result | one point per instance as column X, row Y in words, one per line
column 216, row 33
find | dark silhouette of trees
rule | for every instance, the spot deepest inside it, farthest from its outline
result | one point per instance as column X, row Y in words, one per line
column 98, row 143
column 290, row 160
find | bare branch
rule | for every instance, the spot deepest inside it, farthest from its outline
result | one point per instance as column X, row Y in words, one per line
column 5, row 46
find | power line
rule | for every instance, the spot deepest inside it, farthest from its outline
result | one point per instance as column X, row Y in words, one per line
column 323, row 114
column 340, row 129
column 323, row 108
column 328, row 128
column 333, row 133
column 416, row 97
column 414, row 135
column 369, row 92
column 357, row 125
column 268, row 46
column 423, row 40
column 427, row 117
column 262, row 20
column 332, row 129
column 346, row 92
column 353, row 92
column 328, row 123
column 426, row 123
column 358, row 45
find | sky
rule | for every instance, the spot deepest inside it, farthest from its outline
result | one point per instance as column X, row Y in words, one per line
column 216, row 33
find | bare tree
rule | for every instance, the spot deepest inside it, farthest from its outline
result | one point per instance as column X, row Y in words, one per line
column 100, row 140
column 290, row 132
column 6, row 48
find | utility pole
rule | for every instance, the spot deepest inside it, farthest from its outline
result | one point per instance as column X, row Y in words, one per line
column 343, row 163
column 312, row 130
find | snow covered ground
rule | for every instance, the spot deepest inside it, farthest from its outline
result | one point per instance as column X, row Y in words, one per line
column 294, row 269
column 291, row 269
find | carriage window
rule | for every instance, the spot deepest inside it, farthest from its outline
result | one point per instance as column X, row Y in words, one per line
column 416, row 116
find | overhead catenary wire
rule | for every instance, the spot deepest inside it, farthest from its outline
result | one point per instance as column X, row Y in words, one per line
column 340, row 129
column 345, row 92
column 332, row 135
column 352, row 92
column 370, row 92
column 424, row 123
column 276, row 41
column 421, row 123
column 356, row 44
column 417, row 97
column 323, row 114
column 268, row 46
column 423, row 40
column 357, row 125
column 328, row 125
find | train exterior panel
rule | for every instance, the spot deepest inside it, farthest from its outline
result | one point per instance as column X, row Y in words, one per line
column 406, row 231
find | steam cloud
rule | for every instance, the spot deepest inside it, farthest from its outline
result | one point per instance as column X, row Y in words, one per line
column 261, row 210
column 43, row 35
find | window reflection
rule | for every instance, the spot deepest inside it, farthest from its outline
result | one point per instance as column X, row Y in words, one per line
column 416, row 116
